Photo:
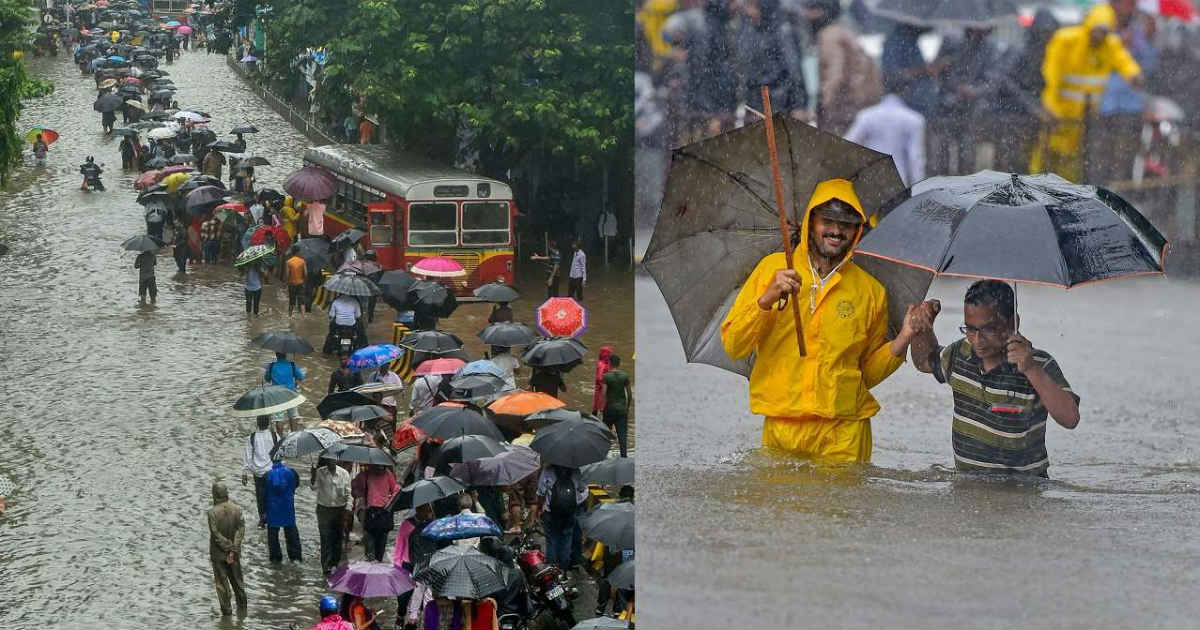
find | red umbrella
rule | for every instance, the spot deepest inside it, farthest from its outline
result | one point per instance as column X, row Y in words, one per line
column 439, row 366
column 282, row 242
column 561, row 317
column 148, row 179
column 131, row 81
column 1181, row 9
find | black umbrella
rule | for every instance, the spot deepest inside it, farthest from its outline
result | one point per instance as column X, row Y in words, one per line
column 347, row 238
column 283, row 341
column 461, row 571
column 154, row 116
column 244, row 129
column 343, row 452
column 204, row 135
column 350, row 283
column 394, row 287
column 559, row 353
column 466, row 448
column 611, row 524
column 1034, row 228
column 360, row 413
column 431, row 341
column 431, row 298
column 204, row 195
column 181, row 158
column 719, row 219
column 425, row 491
column 131, row 133
column 156, row 197
column 223, row 145
column 252, row 161
column 450, row 422
column 315, row 252
column 573, row 443
column 149, row 124
column 614, row 471
column 474, row 386
column 266, row 400
column 507, row 334
column 142, row 243
column 622, row 576
column 108, row 103
column 542, row 419
column 199, row 180
column 510, row 467
column 496, row 292
column 341, row 400
column 946, row 13
column 156, row 162
column 305, row 442
column 271, row 194
column 310, row 184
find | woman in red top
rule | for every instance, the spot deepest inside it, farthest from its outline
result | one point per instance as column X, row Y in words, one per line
column 374, row 488
column 602, row 368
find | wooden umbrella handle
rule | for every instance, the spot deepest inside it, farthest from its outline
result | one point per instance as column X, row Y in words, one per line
column 783, row 224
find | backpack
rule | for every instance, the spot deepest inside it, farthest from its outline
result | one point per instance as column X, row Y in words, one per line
column 562, row 497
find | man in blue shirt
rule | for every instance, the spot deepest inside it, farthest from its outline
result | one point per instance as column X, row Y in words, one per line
column 281, row 486
column 286, row 374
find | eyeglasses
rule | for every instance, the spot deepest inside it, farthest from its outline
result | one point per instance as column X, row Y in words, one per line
column 986, row 331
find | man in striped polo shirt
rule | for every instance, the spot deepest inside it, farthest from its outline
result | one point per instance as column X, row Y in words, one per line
column 1003, row 387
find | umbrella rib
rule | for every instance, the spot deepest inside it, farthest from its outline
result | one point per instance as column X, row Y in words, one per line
column 763, row 204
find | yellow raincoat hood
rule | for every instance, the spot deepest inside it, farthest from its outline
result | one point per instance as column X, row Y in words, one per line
column 1100, row 15
column 845, row 332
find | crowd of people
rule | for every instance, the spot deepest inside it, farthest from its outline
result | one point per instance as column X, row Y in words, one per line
column 1045, row 102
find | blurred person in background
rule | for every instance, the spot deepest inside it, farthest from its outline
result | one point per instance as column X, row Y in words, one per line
column 849, row 80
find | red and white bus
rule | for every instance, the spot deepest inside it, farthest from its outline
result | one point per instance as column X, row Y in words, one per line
column 412, row 208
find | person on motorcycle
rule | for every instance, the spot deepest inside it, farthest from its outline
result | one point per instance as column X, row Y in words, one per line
column 330, row 619
column 91, row 174
column 344, row 315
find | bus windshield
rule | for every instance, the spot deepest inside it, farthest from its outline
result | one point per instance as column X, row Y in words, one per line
column 485, row 223
column 433, row 224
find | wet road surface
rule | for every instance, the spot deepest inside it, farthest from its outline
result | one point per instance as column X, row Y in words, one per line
column 730, row 536
column 114, row 416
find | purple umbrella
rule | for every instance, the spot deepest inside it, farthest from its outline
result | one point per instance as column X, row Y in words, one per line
column 371, row 579
column 310, row 184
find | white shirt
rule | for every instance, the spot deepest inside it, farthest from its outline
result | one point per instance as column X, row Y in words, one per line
column 892, row 127
column 345, row 311
column 257, row 456
column 579, row 265
column 509, row 364
column 423, row 389
column 391, row 378
column 546, row 483
column 333, row 489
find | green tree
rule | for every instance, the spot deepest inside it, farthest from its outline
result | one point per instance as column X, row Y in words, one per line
column 16, row 19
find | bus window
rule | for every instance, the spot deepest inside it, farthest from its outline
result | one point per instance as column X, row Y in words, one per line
column 485, row 223
column 432, row 224
column 381, row 229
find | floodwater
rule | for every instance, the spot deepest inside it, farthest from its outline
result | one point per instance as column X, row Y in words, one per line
column 113, row 420
column 731, row 536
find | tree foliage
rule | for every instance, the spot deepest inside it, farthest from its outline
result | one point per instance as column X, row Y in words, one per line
column 16, row 19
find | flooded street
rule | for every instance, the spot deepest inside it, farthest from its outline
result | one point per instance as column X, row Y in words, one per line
column 733, row 537
column 115, row 416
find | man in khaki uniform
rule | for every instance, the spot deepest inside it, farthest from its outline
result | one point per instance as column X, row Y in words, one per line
column 226, row 531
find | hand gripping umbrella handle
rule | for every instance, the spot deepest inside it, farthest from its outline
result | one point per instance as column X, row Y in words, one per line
column 783, row 224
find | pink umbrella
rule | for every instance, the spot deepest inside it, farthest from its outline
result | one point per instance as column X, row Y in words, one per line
column 439, row 366
column 439, row 267
column 148, row 179
column 176, row 169
column 184, row 30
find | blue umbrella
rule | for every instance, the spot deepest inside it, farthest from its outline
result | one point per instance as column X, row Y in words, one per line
column 96, row 63
column 249, row 59
column 461, row 526
column 374, row 356
column 173, row 23
column 482, row 366
column 116, row 59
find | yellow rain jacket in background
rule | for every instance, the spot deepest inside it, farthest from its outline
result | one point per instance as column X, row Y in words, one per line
column 1075, row 71
column 819, row 404
column 653, row 16
column 290, row 217
column 174, row 181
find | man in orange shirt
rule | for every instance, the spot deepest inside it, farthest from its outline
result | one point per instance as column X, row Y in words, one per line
column 297, row 273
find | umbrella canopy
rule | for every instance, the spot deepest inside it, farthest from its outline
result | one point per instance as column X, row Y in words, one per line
column 431, row 341
column 341, row 400
column 154, row 197
column 496, row 292
column 371, row 357
column 249, row 59
column 181, row 158
column 396, row 282
column 125, row 133
column 461, row 571
column 310, row 184
column 254, row 160
column 136, row 104
column 542, row 419
column 1040, row 229
column 461, row 526
column 49, row 136
column 370, row 579
column 946, row 13
column 204, row 195
column 284, row 341
column 573, row 443
column 347, row 238
column 266, row 400
column 424, row 492
column 470, row 387
column 147, row 179
column 360, row 413
column 430, row 297
column 622, row 576
column 507, row 334
column 562, row 354
column 186, row 30
column 508, row 468
column 253, row 254
column 601, row 623
column 315, row 252
column 446, row 423
column 439, row 267
column 358, row 453
column 482, row 366
column 561, row 317
column 223, row 145
column 108, row 102
column 439, row 366
column 525, row 403
column 351, row 284
column 173, row 180
column 611, row 524
column 243, row 129
column 142, row 243
column 161, row 133
column 466, row 448
column 614, row 471
column 146, row 124
column 717, row 207
column 305, row 442
column 171, row 170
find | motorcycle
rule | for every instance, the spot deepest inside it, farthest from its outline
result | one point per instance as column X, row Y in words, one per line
column 548, row 587
column 91, row 180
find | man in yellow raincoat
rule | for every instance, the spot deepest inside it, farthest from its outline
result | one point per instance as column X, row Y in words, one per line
column 1078, row 63
column 817, row 405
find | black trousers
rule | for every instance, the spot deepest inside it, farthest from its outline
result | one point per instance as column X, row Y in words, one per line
column 297, row 299
column 330, row 523
column 260, row 498
column 252, row 300
column 148, row 286
column 619, row 420
column 292, row 535
column 375, row 543
column 575, row 288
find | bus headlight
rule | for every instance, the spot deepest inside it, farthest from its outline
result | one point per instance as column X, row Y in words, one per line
column 500, row 279
column 508, row 265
